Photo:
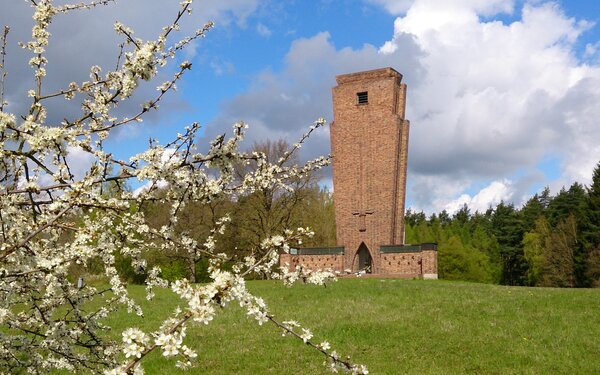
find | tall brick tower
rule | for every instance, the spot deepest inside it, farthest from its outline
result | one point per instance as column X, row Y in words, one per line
column 369, row 142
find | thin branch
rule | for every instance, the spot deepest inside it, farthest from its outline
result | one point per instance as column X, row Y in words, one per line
column 35, row 233
column 3, row 72
column 346, row 364
column 92, row 4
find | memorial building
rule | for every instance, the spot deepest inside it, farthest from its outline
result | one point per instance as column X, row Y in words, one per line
column 369, row 145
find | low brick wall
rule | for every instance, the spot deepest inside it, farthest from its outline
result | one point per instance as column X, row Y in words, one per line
column 324, row 258
column 430, row 264
column 406, row 261
column 401, row 263
column 314, row 262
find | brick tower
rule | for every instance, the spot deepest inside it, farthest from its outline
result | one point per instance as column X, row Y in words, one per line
column 369, row 142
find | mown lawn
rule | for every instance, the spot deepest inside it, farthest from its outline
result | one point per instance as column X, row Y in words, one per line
column 397, row 327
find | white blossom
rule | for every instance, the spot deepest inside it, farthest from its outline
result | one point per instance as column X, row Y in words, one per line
column 54, row 222
column 306, row 335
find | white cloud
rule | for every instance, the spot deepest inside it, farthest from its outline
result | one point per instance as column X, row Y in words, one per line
column 221, row 67
column 160, row 184
column 78, row 160
column 283, row 104
column 263, row 30
column 484, row 7
column 496, row 98
column 394, row 6
column 487, row 100
column 489, row 196
column 89, row 36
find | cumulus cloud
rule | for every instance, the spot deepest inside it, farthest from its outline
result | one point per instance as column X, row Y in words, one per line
column 488, row 100
column 496, row 98
column 489, row 196
column 483, row 7
column 78, row 160
column 81, row 39
column 283, row 104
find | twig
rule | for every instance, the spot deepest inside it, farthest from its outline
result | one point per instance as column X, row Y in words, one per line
column 35, row 233
column 3, row 72
column 308, row 342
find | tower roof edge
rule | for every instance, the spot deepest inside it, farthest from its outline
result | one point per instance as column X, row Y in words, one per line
column 368, row 75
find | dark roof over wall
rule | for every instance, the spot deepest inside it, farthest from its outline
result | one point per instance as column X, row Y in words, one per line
column 408, row 248
column 318, row 251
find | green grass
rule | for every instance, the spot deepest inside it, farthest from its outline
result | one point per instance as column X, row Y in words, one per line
column 397, row 327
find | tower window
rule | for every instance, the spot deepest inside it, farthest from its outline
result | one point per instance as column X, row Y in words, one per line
column 362, row 98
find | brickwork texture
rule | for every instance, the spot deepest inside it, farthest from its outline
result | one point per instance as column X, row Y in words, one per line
column 369, row 144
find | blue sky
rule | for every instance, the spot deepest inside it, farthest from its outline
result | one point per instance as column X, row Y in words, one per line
column 502, row 94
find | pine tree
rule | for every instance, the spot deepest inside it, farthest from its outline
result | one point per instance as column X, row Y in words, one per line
column 574, row 202
column 545, row 198
column 534, row 243
column 559, row 266
column 531, row 211
column 593, row 267
column 507, row 227
column 444, row 218
column 463, row 215
column 591, row 236
column 568, row 202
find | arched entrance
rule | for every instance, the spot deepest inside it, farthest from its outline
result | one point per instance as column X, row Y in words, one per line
column 363, row 259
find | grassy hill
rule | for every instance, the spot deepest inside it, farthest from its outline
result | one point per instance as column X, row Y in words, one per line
column 399, row 327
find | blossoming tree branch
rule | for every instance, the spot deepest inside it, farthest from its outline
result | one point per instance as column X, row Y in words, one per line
column 52, row 220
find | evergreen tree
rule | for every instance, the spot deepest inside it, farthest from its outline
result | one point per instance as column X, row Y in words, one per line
column 424, row 233
column 485, row 243
column 545, row 198
column 591, row 234
column 574, row 202
column 463, row 215
column 410, row 234
column 568, row 202
column 444, row 217
column 414, row 218
column 559, row 266
column 534, row 243
column 531, row 211
column 593, row 267
column 507, row 227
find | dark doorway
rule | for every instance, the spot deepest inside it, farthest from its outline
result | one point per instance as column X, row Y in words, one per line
column 365, row 262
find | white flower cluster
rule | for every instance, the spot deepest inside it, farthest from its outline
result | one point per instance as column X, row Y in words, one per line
column 306, row 275
column 53, row 222
column 135, row 342
column 336, row 365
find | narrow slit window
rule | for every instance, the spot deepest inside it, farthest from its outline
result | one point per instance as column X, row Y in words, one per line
column 362, row 97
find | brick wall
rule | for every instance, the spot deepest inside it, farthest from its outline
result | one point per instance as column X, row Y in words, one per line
column 401, row 263
column 430, row 266
column 369, row 146
column 408, row 264
column 314, row 262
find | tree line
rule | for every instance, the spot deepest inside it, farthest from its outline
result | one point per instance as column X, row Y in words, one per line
column 552, row 240
column 252, row 217
column 549, row 241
